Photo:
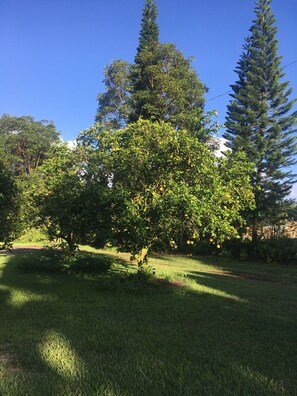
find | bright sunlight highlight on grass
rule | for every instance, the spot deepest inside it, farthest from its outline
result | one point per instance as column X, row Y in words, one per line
column 215, row 292
column 60, row 356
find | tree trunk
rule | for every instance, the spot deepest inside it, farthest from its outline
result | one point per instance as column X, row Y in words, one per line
column 142, row 257
column 254, row 230
column 71, row 242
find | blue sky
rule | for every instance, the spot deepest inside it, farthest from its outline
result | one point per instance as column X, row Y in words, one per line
column 54, row 51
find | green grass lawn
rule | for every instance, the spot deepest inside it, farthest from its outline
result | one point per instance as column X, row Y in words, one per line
column 219, row 327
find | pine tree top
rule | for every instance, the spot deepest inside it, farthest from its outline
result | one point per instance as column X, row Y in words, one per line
column 149, row 33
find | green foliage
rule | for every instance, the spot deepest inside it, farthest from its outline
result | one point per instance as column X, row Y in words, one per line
column 161, row 85
column 70, row 202
column 292, row 210
column 278, row 250
column 166, row 87
column 25, row 143
column 88, row 263
column 274, row 250
column 9, row 207
column 35, row 236
column 229, row 197
column 149, row 33
column 166, row 183
column 24, row 146
column 113, row 104
column 259, row 119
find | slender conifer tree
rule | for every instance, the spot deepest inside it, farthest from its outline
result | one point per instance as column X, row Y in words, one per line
column 260, row 118
column 145, row 59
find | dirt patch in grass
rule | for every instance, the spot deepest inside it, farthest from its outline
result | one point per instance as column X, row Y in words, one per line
column 22, row 249
column 8, row 359
column 169, row 283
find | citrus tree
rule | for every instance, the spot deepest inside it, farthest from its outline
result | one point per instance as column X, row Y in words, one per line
column 167, row 184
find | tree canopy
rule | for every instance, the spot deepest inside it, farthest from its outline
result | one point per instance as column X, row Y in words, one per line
column 169, row 90
column 167, row 184
column 25, row 142
column 114, row 104
column 161, row 85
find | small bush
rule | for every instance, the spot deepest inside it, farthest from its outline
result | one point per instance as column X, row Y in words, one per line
column 91, row 264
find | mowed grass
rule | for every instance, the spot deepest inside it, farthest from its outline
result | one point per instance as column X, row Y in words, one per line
column 211, row 327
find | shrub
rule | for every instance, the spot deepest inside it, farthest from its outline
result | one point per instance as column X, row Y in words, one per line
column 281, row 250
column 274, row 250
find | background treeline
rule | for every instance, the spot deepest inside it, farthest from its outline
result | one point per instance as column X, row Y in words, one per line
column 146, row 175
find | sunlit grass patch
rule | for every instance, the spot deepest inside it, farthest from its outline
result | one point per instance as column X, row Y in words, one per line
column 17, row 298
column 263, row 381
column 57, row 352
column 198, row 288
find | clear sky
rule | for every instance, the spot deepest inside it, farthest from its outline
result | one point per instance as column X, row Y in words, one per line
column 54, row 51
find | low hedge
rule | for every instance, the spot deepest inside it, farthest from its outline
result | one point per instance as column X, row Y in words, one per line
column 277, row 250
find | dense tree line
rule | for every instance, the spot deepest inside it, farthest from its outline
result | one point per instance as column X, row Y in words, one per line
column 145, row 176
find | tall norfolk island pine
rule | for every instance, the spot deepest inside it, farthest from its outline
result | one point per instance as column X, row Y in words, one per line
column 148, row 44
column 259, row 119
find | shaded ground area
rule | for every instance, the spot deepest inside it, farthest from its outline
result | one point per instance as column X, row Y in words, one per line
column 22, row 249
column 95, row 328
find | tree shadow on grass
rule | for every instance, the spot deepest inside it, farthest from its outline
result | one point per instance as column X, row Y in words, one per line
column 84, row 331
column 256, row 270
column 50, row 260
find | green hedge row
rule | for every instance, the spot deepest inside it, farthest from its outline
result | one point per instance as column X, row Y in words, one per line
column 276, row 250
